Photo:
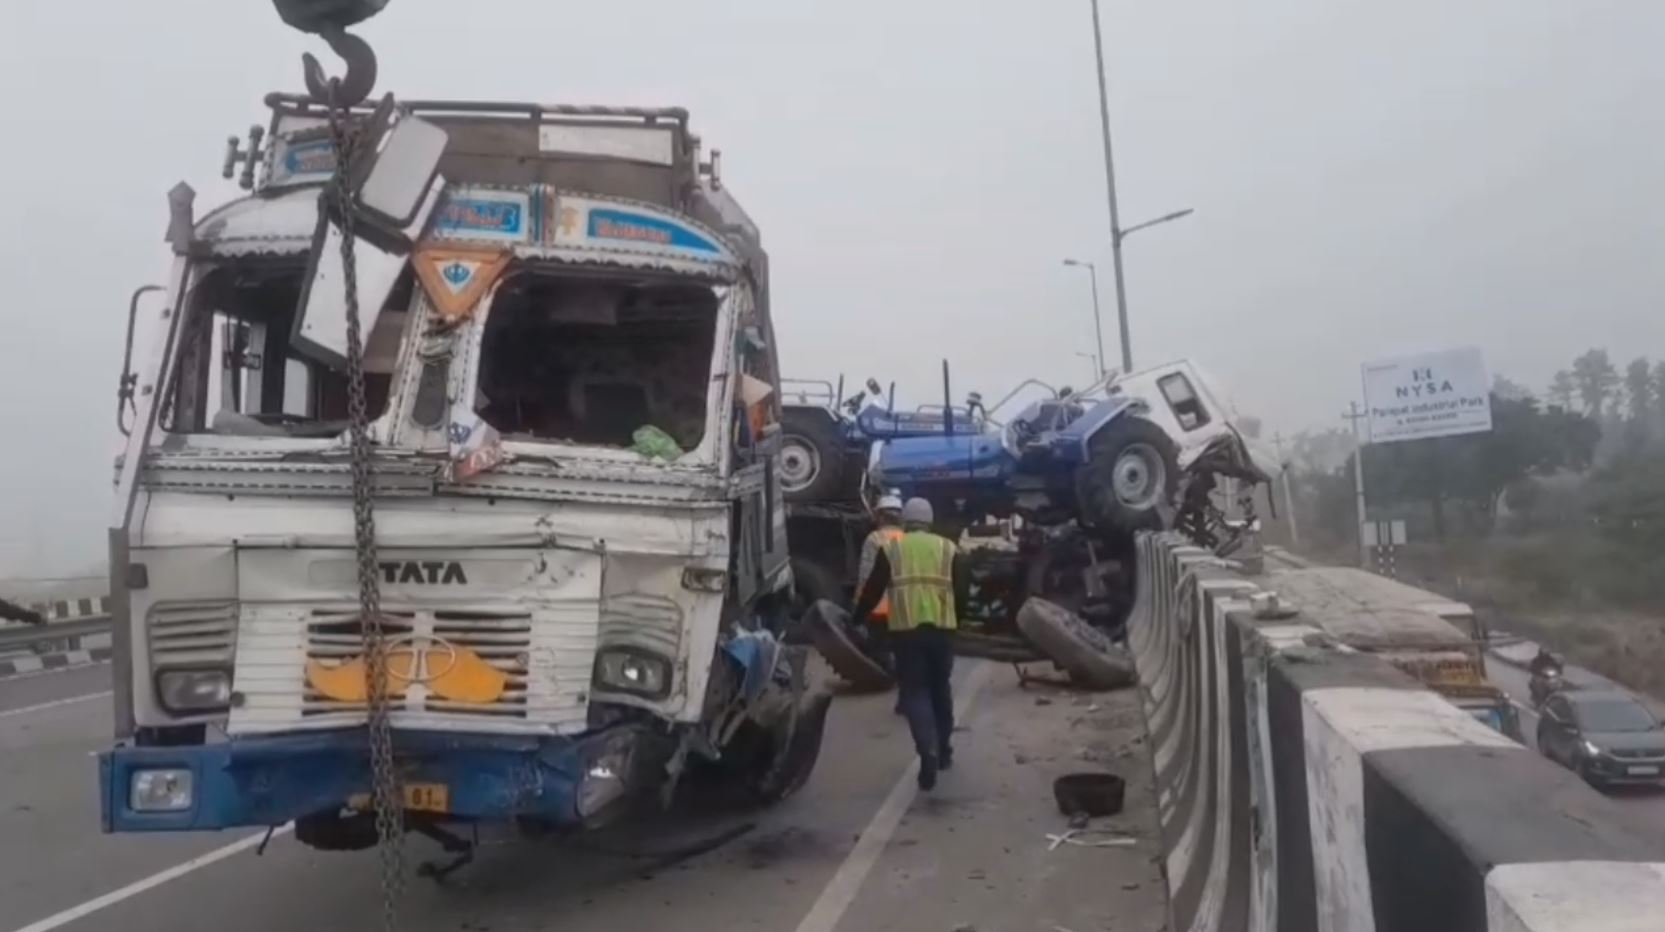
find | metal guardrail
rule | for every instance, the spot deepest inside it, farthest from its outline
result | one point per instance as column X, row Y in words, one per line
column 13, row 637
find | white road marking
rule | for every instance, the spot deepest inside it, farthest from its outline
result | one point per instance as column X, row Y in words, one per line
column 846, row 882
column 49, row 671
column 72, row 700
column 70, row 915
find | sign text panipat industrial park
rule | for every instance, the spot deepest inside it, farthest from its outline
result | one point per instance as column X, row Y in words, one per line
column 1439, row 394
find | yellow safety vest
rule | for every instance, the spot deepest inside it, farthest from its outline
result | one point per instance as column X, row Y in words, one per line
column 880, row 537
column 921, row 581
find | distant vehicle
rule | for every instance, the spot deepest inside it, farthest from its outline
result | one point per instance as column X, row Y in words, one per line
column 1546, row 684
column 1606, row 737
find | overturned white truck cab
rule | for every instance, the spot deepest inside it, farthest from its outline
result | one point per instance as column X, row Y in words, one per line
column 572, row 399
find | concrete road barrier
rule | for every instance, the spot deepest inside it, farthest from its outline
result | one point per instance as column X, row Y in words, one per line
column 1303, row 785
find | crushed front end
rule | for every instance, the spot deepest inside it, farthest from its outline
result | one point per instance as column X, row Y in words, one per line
column 580, row 548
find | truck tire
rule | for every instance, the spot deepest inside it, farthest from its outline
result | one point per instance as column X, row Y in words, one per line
column 1081, row 650
column 828, row 628
column 811, row 466
column 812, row 581
column 1130, row 476
column 793, row 766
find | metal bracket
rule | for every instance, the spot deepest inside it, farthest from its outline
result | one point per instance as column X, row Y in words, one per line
column 249, row 157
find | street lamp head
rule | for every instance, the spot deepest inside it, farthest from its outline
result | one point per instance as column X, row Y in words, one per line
column 1077, row 263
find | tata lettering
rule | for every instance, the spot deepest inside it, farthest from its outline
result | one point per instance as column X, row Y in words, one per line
column 424, row 572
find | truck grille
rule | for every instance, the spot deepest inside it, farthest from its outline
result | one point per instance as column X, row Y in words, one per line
column 192, row 634
column 423, row 646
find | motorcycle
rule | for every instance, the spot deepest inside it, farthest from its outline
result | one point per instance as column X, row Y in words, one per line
column 1544, row 683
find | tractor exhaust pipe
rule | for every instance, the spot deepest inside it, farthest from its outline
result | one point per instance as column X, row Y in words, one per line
column 947, row 402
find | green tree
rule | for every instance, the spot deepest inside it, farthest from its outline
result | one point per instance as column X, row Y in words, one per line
column 1505, row 387
column 1473, row 470
column 1596, row 379
column 1627, row 502
column 1562, row 389
column 1639, row 389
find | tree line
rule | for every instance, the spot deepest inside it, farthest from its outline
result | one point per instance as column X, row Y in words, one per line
column 1578, row 467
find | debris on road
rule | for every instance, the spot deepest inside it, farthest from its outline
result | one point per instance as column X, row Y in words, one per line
column 1078, row 648
column 1076, row 837
column 1090, row 794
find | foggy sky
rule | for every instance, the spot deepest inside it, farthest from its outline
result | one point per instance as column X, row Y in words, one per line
column 1369, row 179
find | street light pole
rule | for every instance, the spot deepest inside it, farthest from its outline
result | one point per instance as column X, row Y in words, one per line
column 1098, row 367
column 1110, row 187
column 1098, row 319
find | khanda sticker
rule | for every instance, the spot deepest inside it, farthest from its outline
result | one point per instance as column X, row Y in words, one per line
column 447, row 670
column 456, row 278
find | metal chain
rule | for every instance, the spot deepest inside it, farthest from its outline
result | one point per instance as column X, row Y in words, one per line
column 386, row 798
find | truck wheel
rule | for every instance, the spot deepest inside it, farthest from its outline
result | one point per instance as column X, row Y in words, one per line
column 792, row 767
column 811, row 582
column 1081, row 650
column 828, row 626
column 811, row 465
column 1129, row 478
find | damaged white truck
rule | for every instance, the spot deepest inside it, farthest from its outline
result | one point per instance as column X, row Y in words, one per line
column 571, row 405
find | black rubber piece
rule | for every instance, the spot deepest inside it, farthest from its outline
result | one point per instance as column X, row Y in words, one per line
column 1089, row 794
column 827, row 625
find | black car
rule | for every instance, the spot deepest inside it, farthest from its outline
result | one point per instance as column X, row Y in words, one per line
column 1607, row 737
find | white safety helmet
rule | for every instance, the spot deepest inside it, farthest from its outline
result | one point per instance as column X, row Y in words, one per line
column 890, row 501
column 918, row 511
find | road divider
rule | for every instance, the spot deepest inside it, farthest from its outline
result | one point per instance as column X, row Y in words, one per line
column 1304, row 785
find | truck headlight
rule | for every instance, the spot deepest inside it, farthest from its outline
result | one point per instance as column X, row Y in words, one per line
column 182, row 691
column 160, row 790
column 633, row 671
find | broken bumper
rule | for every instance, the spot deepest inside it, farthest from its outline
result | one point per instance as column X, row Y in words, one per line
column 272, row 780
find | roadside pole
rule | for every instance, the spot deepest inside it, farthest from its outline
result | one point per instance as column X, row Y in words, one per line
column 1288, row 498
column 1355, row 415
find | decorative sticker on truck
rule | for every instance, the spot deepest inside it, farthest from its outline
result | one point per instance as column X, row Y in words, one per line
column 587, row 223
column 456, row 277
column 483, row 214
column 300, row 161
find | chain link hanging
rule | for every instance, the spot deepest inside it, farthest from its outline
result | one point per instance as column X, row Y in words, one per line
column 387, row 800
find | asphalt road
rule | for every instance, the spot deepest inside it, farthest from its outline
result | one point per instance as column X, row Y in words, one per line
column 857, row 849
column 1646, row 804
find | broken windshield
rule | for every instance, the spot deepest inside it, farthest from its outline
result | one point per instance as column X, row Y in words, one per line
column 592, row 361
column 237, row 372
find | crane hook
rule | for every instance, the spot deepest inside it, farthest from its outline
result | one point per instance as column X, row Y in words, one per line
column 361, row 71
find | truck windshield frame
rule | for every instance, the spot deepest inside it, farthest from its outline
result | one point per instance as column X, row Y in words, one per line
column 221, row 380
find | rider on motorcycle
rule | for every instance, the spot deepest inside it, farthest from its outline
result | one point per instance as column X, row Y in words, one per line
column 1545, row 664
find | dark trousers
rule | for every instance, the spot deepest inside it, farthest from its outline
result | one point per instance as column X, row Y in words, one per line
column 924, row 664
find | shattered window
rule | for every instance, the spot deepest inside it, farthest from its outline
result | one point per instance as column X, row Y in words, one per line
column 590, row 362
column 1182, row 398
column 238, row 375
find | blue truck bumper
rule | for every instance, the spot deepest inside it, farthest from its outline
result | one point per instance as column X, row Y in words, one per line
column 260, row 781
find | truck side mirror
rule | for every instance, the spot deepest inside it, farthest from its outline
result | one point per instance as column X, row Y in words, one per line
column 398, row 180
column 873, row 387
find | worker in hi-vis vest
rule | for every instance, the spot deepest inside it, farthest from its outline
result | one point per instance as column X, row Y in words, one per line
column 923, row 577
column 888, row 521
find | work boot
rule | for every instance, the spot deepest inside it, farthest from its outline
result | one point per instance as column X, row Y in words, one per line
column 927, row 773
column 945, row 758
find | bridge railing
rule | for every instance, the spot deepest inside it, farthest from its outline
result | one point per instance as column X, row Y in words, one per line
column 1304, row 785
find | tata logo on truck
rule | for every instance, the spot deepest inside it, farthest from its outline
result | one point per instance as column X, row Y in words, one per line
column 424, row 572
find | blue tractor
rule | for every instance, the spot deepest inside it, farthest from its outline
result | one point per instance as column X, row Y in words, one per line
column 1066, row 482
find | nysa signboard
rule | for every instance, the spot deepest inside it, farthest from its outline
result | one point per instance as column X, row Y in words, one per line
column 1437, row 394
